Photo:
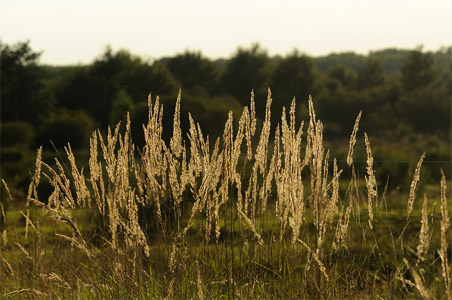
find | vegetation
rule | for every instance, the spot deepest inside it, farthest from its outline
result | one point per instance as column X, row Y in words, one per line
column 398, row 91
column 255, row 213
column 157, row 208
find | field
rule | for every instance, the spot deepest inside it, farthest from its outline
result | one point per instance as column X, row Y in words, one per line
column 262, row 211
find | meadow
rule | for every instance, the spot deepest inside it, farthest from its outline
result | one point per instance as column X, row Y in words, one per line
column 262, row 211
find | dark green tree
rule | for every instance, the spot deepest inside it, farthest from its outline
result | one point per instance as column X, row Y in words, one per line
column 122, row 103
column 77, row 90
column 392, row 59
column 112, row 72
column 294, row 76
column 443, row 63
column 427, row 109
column 94, row 88
column 346, row 76
column 418, row 70
column 372, row 74
column 122, row 70
column 425, row 101
column 190, row 69
column 248, row 69
column 146, row 78
column 24, row 97
column 350, row 59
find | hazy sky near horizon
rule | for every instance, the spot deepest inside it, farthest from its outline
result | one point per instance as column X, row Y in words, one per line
column 77, row 31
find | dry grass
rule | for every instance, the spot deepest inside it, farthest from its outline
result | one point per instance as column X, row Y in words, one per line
column 242, row 217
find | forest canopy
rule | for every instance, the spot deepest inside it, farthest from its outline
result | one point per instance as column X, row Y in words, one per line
column 404, row 95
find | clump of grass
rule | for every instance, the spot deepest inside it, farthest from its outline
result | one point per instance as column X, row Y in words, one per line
column 424, row 239
column 244, row 216
column 445, row 224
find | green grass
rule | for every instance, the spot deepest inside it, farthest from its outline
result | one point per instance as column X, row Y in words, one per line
column 144, row 245
column 275, row 269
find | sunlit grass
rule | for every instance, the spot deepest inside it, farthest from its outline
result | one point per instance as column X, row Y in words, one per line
column 248, row 216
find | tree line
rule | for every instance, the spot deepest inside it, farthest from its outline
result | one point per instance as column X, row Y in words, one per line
column 404, row 94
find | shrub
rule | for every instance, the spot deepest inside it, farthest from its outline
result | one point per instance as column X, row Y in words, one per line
column 16, row 134
column 66, row 126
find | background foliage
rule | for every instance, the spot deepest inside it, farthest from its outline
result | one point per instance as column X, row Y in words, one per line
column 404, row 96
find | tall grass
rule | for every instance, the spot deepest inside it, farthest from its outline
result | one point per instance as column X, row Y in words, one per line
column 239, row 216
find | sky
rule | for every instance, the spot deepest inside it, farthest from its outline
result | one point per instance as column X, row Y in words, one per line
column 77, row 31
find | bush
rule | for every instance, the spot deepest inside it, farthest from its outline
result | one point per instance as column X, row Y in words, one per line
column 16, row 163
column 17, row 133
column 66, row 126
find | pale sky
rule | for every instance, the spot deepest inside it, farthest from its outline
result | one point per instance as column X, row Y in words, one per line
column 77, row 31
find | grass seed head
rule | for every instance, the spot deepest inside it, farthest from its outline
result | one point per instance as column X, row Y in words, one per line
column 353, row 140
column 414, row 182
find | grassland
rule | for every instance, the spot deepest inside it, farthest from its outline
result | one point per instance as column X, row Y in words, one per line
column 248, row 215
